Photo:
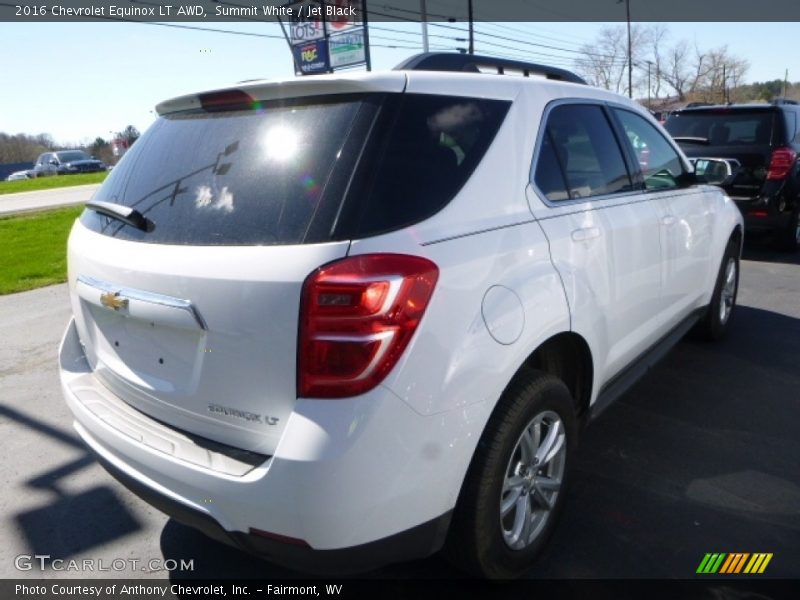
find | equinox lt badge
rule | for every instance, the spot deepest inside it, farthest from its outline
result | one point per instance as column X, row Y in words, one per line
column 241, row 414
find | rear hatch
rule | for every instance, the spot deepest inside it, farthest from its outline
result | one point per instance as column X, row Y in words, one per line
column 194, row 322
column 190, row 312
column 746, row 135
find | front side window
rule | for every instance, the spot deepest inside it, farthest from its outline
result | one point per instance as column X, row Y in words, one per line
column 578, row 141
column 660, row 163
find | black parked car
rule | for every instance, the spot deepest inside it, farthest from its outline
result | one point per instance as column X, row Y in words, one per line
column 66, row 162
column 761, row 144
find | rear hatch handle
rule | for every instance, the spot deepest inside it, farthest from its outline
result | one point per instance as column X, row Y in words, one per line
column 120, row 212
column 140, row 304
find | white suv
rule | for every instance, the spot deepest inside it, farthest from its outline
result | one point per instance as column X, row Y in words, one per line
column 354, row 319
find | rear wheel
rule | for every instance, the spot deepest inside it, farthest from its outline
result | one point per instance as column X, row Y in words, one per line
column 515, row 487
column 716, row 321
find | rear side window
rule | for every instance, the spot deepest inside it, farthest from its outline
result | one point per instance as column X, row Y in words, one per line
column 422, row 152
column 724, row 127
column 792, row 130
column 660, row 163
column 578, row 141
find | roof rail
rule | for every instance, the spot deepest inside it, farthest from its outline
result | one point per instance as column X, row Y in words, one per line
column 473, row 63
column 777, row 101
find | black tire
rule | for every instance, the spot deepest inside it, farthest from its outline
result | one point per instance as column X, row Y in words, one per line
column 477, row 541
column 788, row 238
column 716, row 321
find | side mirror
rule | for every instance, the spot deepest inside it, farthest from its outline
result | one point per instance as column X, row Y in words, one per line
column 53, row 161
column 715, row 171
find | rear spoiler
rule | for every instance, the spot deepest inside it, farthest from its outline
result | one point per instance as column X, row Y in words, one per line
column 257, row 91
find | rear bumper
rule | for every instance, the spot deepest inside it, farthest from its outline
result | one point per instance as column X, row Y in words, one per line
column 417, row 542
column 760, row 214
column 354, row 484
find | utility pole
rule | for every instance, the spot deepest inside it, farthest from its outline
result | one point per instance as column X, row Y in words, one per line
column 423, row 12
column 367, row 56
column 785, row 82
column 630, row 52
column 471, row 28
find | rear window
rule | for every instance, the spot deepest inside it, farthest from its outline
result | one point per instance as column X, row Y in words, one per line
column 249, row 177
column 724, row 127
column 336, row 168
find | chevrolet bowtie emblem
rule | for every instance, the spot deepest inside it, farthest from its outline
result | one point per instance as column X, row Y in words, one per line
column 113, row 301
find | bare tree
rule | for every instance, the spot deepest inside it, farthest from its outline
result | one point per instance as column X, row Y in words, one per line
column 604, row 63
column 655, row 37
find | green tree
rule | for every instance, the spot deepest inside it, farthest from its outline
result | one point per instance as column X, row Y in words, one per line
column 130, row 134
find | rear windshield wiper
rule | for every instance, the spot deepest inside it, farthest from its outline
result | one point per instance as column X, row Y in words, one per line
column 120, row 212
column 691, row 140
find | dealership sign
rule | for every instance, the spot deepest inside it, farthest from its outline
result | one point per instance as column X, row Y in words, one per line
column 347, row 49
column 312, row 58
column 326, row 34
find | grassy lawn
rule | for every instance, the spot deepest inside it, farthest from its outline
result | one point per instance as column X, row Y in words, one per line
column 46, row 183
column 34, row 249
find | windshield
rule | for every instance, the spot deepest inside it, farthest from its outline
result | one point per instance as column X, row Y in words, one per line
column 65, row 157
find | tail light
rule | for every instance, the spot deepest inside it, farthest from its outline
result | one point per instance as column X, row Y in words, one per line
column 357, row 317
column 780, row 163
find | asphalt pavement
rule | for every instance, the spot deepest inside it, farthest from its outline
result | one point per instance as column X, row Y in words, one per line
column 29, row 201
column 703, row 455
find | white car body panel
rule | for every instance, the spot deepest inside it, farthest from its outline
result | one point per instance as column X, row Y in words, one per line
column 513, row 272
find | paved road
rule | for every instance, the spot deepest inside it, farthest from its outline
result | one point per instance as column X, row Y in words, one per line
column 703, row 455
column 27, row 201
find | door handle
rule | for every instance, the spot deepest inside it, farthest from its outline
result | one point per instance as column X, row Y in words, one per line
column 669, row 220
column 585, row 234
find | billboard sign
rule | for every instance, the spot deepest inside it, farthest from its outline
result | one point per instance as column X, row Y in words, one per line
column 312, row 57
column 343, row 15
column 347, row 49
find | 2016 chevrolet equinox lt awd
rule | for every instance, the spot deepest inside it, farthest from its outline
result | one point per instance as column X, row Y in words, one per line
column 353, row 319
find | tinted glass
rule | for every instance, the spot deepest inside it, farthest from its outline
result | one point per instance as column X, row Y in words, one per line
column 723, row 127
column 587, row 149
column 244, row 177
column 793, row 133
column 549, row 177
column 660, row 163
column 422, row 154
column 72, row 155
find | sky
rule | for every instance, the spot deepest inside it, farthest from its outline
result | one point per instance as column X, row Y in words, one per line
column 79, row 81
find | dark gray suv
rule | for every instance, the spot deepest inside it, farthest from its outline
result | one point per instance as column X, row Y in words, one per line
column 66, row 162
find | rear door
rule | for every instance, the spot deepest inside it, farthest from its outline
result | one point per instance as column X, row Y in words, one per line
column 603, row 232
column 194, row 321
column 686, row 216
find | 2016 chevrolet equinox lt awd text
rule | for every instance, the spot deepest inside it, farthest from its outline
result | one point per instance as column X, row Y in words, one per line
column 353, row 319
